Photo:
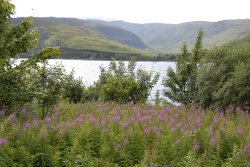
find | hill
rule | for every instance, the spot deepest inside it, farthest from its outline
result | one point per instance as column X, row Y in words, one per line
column 95, row 39
column 242, row 42
column 83, row 39
column 168, row 37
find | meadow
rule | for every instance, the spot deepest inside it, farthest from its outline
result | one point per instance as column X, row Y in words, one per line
column 111, row 134
column 111, row 123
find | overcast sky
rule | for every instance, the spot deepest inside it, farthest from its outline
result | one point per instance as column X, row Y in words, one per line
column 137, row 11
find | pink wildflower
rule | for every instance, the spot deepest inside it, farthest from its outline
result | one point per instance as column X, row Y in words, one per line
column 26, row 125
column 246, row 150
column 12, row 117
column 3, row 141
column 178, row 142
column 196, row 145
column 56, row 112
column 23, row 110
column 213, row 141
column 35, row 122
column 47, row 119
column 2, row 113
column 216, row 120
column 146, row 130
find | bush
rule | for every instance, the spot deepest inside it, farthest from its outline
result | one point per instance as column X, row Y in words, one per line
column 182, row 84
column 122, row 84
column 73, row 88
column 15, row 40
column 224, row 77
column 47, row 84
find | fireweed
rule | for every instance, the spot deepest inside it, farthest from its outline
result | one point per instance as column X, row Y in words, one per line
column 110, row 134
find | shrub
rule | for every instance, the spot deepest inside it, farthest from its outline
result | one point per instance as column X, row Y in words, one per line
column 47, row 84
column 122, row 84
column 73, row 88
column 15, row 40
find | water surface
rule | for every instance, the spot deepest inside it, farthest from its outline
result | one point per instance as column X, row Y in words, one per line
column 89, row 70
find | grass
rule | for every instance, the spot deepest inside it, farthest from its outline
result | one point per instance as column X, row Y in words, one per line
column 109, row 36
column 110, row 134
column 77, row 34
column 83, row 39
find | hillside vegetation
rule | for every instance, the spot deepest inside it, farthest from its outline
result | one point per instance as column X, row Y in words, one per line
column 74, row 35
column 169, row 37
column 101, row 39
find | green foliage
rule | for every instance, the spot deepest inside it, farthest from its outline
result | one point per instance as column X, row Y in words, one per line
column 112, row 134
column 92, row 93
column 14, row 40
column 216, row 78
column 47, row 84
column 122, row 84
column 182, row 83
column 85, row 40
column 224, row 77
column 168, row 37
column 165, row 57
column 73, row 88
column 157, row 97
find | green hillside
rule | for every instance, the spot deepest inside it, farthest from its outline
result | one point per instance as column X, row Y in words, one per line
column 168, row 37
column 75, row 37
column 95, row 39
column 116, row 34
column 244, row 41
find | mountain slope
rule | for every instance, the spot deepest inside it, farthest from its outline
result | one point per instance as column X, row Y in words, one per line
column 111, row 32
column 130, row 38
column 168, row 37
column 78, row 35
column 116, row 34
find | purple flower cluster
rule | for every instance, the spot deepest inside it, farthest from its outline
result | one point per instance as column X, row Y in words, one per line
column 35, row 122
column 174, row 122
column 3, row 141
column 24, row 110
column 12, row 117
column 196, row 145
column 2, row 113
column 213, row 141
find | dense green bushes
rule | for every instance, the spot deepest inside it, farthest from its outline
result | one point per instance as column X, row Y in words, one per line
column 73, row 88
column 31, row 83
column 14, row 40
column 224, row 77
column 182, row 83
column 217, row 78
column 121, row 84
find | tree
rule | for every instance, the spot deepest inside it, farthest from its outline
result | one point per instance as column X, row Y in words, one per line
column 73, row 88
column 47, row 85
column 198, row 53
column 182, row 83
column 224, row 77
column 15, row 40
column 177, row 82
column 122, row 84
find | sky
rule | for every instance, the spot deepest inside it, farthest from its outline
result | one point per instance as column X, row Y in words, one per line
column 137, row 11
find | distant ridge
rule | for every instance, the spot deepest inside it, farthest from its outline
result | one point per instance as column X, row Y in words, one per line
column 84, row 39
column 132, row 38
column 168, row 37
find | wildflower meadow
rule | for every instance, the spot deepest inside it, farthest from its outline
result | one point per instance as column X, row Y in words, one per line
column 111, row 134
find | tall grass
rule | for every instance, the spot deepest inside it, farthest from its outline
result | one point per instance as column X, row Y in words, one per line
column 110, row 134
